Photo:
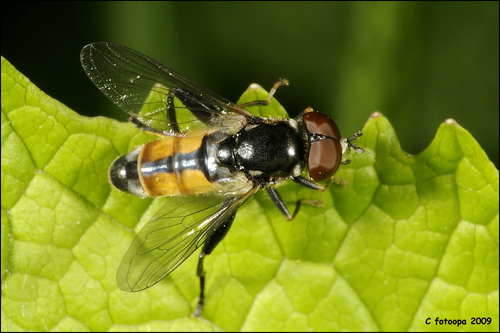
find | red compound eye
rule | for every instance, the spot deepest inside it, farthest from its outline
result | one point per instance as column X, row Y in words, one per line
column 324, row 155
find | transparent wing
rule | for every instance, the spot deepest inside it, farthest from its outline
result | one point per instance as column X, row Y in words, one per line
column 153, row 93
column 172, row 235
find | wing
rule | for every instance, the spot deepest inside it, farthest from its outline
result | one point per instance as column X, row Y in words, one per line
column 172, row 235
column 155, row 94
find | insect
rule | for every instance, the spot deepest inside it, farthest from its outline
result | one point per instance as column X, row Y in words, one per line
column 211, row 156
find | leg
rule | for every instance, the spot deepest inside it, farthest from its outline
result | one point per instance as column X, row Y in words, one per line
column 171, row 118
column 276, row 198
column 145, row 128
column 315, row 186
column 213, row 238
column 201, row 274
column 309, row 183
column 281, row 205
column 171, row 115
column 199, row 107
column 278, row 84
column 193, row 103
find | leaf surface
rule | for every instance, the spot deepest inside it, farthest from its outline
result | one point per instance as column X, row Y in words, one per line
column 404, row 238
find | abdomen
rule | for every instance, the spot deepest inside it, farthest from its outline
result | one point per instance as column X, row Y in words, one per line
column 172, row 166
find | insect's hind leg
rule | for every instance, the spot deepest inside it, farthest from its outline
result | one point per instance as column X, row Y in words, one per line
column 281, row 82
column 201, row 274
column 213, row 238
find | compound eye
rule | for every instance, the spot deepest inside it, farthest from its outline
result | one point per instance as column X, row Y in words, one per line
column 325, row 155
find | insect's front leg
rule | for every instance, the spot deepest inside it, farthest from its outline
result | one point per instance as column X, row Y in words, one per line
column 281, row 82
column 309, row 183
column 318, row 187
column 213, row 238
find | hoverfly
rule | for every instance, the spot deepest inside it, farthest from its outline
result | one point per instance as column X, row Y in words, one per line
column 210, row 149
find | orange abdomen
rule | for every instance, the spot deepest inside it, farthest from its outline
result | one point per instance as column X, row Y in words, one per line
column 174, row 165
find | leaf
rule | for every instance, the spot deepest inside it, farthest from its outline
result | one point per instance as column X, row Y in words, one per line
column 405, row 238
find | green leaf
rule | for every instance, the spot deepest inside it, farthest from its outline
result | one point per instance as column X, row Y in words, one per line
column 403, row 239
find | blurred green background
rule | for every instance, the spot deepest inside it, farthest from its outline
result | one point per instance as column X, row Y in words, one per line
column 418, row 63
